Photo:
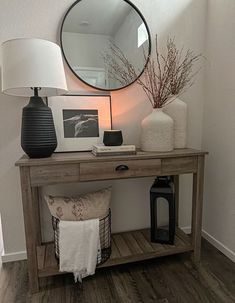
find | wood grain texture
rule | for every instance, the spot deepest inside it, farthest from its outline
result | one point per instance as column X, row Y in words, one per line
column 74, row 167
column 36, row 200
column 126, row 247
column 79, row 157
column 53, row 174
column 31, row 228
column 107, row 170
column 41, row 253
column 171, row 279
column 181, row 165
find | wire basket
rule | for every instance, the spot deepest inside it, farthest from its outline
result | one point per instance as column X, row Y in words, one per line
column 105, row 237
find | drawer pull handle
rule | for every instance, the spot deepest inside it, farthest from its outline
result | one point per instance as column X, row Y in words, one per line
column 122, row 167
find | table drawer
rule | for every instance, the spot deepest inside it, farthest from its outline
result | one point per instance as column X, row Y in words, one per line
column 182, row 165
column 119, row 169
column 41, row 175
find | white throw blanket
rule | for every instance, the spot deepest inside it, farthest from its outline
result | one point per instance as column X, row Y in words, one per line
column 79, row 244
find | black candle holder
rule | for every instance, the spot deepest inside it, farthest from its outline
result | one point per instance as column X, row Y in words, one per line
column 112, row 138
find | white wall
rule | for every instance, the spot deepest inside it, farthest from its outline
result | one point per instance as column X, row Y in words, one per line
column 185, row 19
column 80, row 49
column 126, row 38
column 219, row 125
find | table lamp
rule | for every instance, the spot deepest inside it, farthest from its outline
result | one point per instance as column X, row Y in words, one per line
column 33, row 68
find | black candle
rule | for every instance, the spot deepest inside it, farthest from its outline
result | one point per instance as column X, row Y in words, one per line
column 112, row 138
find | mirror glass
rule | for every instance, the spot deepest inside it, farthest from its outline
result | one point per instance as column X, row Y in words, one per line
column 96, row 32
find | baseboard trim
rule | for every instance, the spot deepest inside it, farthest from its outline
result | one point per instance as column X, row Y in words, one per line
column 16, row 256
column 220, row 246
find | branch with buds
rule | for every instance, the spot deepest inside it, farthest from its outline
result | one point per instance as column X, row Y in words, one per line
column 165, row 77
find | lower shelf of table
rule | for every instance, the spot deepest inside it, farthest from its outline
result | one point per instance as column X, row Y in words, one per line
column 127, row 247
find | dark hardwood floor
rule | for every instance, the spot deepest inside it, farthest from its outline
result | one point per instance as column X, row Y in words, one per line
column 164, row 280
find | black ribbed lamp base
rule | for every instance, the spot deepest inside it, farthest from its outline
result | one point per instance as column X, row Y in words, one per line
column 38, row 136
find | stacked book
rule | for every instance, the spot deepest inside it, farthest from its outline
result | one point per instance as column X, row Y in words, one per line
column 102, row 150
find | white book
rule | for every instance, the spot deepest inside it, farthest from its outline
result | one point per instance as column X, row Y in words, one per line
column 116, row 153
column 102, row 148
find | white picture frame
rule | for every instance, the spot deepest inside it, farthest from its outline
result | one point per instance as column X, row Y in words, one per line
column 80, row 120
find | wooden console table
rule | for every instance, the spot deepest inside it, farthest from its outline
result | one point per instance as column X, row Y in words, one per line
column 79, row 167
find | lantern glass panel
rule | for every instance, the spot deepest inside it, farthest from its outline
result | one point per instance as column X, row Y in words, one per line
column 162, row 213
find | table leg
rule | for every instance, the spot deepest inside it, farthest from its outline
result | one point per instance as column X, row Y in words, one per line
column 176, row 187
column 31, row 227
column 198, row 182
column 36, row 200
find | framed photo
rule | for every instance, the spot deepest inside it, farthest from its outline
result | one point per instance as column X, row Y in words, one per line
column 80, row 120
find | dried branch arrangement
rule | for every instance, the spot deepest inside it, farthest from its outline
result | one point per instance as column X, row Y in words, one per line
column 164, row 77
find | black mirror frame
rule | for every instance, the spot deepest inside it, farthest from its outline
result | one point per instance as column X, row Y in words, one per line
column 98, row 88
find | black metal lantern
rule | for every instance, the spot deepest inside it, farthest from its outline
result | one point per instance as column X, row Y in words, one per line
column 162, row 203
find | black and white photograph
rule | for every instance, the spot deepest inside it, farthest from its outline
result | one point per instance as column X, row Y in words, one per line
column 80, row 120
column 80, row 123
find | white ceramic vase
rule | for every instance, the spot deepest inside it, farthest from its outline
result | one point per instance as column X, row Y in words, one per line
column 157, row 132
column 177, row 110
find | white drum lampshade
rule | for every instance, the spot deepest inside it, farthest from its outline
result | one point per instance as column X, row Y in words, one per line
column 28, row 63
column 32, row 67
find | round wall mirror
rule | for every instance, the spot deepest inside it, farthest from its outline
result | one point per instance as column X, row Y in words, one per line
column 96, row 36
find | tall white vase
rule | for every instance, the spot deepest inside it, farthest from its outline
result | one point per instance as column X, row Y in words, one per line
column 157, row 132
column 177, row 110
